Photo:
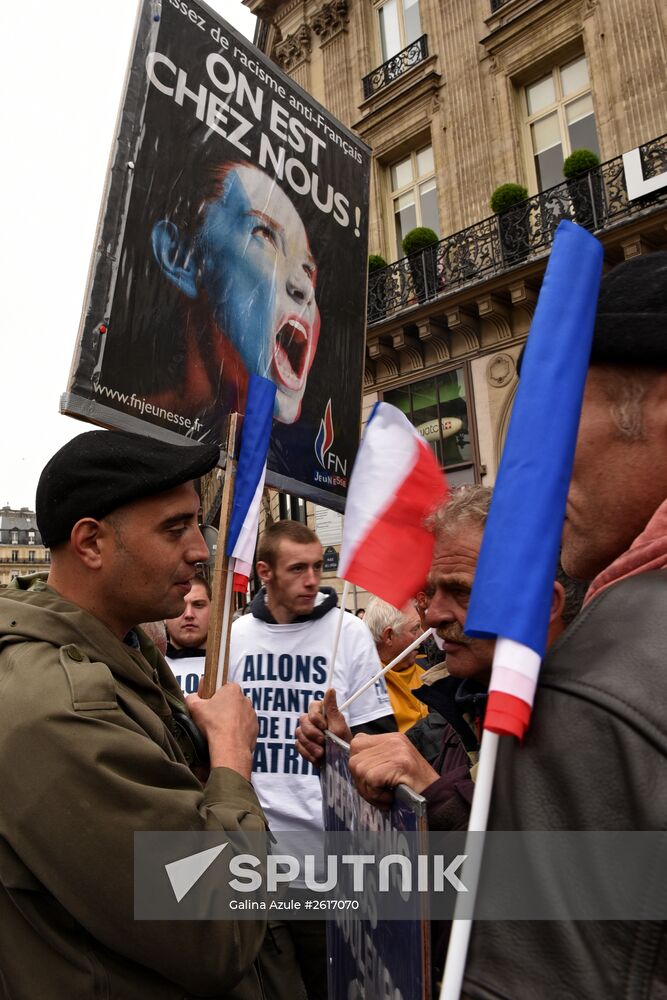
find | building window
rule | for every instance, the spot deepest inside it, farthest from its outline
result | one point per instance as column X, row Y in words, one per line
column 291, row 508
column 15, row 555
column 414, row 194
column 31, row 556
column 560, row 119
column 438, row 408
column 400, row 25
column 31, row 538
column 14, row 537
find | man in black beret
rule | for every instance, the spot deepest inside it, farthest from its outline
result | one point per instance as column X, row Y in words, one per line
column 89, row 753
column 595, row 756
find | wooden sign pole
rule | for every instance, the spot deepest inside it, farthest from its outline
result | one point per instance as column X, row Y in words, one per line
column 220, row 622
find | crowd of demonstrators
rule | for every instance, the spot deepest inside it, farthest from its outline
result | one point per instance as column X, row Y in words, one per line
column 99, row 704
column 280, row 654
column 186, row 648
column 393, row 630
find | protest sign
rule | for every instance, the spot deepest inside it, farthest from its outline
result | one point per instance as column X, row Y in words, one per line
column 375, row 957
column 232, row 240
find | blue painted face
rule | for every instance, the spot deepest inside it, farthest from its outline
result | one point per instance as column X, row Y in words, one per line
column 255, row 265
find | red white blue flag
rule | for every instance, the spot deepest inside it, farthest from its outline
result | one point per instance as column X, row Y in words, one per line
column 395, row 484
column 249, row 481
column 513, row 587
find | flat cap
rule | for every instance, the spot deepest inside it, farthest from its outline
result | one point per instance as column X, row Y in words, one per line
column 99, row 471
column 631, row 315
column 631, row 319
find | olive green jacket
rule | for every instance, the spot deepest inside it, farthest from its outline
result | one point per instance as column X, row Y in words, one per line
column 86, row 759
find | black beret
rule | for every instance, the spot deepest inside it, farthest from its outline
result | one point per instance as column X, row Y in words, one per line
column 99, row 471
column 631, row 315
column 631, row 320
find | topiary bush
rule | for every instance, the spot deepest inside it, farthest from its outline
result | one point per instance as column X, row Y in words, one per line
column 376, row 262
column 418, row 239
column 579, row 161
column 507, row 195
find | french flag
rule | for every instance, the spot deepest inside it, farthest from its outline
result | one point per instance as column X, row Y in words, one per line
column 395, row 484
column 512, row 591
column 249, row 480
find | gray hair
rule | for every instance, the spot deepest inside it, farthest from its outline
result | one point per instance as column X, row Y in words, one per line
column 575, row 591
column 465, row 505
column 381, row 615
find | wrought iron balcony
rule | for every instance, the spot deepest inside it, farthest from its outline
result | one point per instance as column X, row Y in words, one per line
column 396, row 66
column 597, row 200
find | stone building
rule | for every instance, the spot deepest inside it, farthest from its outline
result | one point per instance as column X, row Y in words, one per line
column 456, row 97
column 21, row 548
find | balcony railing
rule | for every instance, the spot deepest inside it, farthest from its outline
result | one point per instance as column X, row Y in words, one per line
column 396, row 66
column 598, row 200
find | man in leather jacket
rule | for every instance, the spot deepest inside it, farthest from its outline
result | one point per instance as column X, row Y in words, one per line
column 595, row 755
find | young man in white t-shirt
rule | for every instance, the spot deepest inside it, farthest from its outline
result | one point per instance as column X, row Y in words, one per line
column 280, row 654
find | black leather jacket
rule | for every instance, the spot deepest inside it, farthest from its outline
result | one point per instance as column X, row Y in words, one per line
column 594, row 758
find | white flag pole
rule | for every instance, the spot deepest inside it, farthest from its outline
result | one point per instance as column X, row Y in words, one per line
column 523, row 663
column 459, row 939
column 381, row 673
column 339, row 625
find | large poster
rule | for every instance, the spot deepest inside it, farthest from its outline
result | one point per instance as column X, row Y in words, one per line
column 232, row 240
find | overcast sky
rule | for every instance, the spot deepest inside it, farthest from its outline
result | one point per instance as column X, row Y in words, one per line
column 62, row 66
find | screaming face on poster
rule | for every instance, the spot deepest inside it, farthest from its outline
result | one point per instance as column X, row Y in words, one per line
column 249, row 263
column 236, row 238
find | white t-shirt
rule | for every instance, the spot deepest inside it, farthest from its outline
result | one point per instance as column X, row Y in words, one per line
column 187, row 667
column 282, row 668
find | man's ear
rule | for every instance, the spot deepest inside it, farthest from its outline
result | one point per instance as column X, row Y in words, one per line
column 174, row 255
column 263, row 571
column 387, row 634
column 557, row 603
column 85, row 541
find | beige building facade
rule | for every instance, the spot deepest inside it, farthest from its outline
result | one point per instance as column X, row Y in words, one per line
column 456, row 97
